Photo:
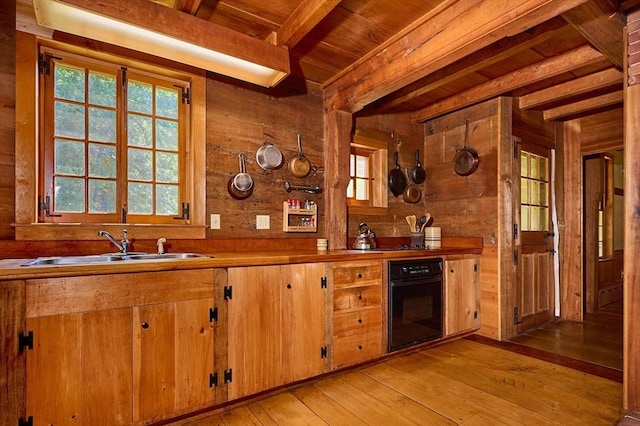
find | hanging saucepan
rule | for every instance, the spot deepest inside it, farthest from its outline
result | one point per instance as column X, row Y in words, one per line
column 240, row 186
column 269, row 157
column 466, row 159
column 418, row 173
column 397, row 178
column 299, row 166
column 412, row 193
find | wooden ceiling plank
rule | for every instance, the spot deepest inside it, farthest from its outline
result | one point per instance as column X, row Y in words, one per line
column 158, row 18
column 582, row 107
column 306, row 16
column 499, row 51
column 426, row 48
column 571, row 88
column 602, row 25
column 557, row 65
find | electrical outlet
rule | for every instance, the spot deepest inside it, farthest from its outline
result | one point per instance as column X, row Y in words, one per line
column 262, row 221
column 215, row 221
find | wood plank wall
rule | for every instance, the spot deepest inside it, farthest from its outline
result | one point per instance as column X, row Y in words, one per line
column 7, row 117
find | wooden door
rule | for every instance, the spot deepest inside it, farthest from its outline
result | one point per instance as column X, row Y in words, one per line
column 303, row 302
column 194, row 354
column 534, row 236
column 254, row 335
column 154, row 341
column 462, row 296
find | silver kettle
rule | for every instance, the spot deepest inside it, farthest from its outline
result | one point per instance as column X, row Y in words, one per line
column 366, row 240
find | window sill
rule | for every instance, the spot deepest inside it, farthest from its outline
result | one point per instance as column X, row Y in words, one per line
column 368, row 211
column 76, row 231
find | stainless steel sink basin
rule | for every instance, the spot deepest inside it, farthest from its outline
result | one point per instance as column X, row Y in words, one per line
column 107, row 258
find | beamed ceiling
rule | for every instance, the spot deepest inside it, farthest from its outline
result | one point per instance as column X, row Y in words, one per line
column 562, row 57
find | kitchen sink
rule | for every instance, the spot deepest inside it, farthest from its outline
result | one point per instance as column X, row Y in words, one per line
column 107, row 258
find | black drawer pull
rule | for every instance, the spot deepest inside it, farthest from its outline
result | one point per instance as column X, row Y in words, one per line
column 288, row 285
column 359, row 275
column 360, row 296
column 360, row 347
column 360, row 320
column 145, row 325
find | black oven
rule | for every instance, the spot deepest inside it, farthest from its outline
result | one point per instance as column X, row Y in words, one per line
column 415, row 302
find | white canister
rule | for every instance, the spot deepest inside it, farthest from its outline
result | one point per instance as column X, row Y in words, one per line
column 432, row 237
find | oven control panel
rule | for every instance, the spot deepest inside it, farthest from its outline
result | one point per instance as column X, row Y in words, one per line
column 417, row 268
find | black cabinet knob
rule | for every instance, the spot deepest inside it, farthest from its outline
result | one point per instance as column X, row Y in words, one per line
column 360, row 320
column 360, row 347
column 145, row 325
column 359, row 275
column 288, row 285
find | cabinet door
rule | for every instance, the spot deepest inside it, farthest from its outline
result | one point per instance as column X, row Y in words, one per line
column 79, row 371
column 462, row 296
column 303, row 301
column 254, row 334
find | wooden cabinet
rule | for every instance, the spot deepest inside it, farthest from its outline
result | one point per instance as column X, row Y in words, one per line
column 462, row 295
column 276, row 325
column 119, row 349
column 357, row 312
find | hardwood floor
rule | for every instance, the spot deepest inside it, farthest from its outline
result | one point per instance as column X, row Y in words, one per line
column 597, row 340
column 458, row 383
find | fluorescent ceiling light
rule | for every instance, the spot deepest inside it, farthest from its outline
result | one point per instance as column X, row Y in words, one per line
column 169, row 34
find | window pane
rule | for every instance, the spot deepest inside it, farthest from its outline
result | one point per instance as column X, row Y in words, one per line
column 102, row 90
column 350, row 189
column 69, row 120
column 167, row 200
column 139, row 131
column 524, row 218
column 352, row 165
column 534, row 225
column 544, row 213
column 362, row 189
column 102, row 160
column 543, row 168
column 362, row 166
column 69, row 157
column 167, row 135
column 524, row 164
column 140, row 198
column 139, row 97
column 166, row 102
column 534, row 171
column 69, row 83
column 543, row 194
column 69, row 195
column 524, row 191
column 167, row 167
column 102, row 196
column 102, row 125
column 535, row 192
column 140, row 164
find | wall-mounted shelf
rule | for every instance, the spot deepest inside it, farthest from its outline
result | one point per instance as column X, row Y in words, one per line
column 299, row 219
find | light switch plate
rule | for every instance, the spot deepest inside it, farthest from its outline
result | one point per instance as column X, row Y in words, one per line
column 263, row 221
column 215, row 221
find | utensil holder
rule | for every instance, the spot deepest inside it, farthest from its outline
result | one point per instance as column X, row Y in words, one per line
column 417, row 240
column 432, row 237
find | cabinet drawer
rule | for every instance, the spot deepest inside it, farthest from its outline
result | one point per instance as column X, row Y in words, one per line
column 353, row 274
column 356, row 322
column 350, row 350
column 356, row 297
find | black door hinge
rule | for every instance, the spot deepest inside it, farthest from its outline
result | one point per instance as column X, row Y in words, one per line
column 228, row 292
column 23, row 422
column 323, row 352
column 213, row 314
column 323, row 282
column 186, row 94
column 25, row 341
column 515, row 257
column 475, row 314
column 515, row 231
column 228, row 376
column 475, row 267
column 44, row 206
column 213, row 380
column 516, row 316
column 516, row 148
column 185, row 213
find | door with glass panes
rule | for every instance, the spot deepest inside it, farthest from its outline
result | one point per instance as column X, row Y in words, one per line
column 535, row 271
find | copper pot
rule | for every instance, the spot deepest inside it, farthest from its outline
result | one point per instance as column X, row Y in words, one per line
column 299, row 166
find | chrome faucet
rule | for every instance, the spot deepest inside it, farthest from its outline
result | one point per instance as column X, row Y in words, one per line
column 122, row 246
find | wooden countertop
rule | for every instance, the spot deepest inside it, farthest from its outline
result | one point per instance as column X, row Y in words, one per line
column 10, row 269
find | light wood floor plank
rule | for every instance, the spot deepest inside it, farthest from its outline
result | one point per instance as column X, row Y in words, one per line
column 286, row 410
column 326, row 408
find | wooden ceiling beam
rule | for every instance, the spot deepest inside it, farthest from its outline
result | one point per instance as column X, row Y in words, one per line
column 306, row 16
column 582, row 107
column 547, row 68
column 434, row 41
column 498, row 51
column 579, row 86
column 602, row 23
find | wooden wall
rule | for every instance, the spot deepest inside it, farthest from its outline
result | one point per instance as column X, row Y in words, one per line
column 602, row 132
column 7, row 117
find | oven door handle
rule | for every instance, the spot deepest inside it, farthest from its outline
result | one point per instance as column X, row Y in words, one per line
column 417, row 281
